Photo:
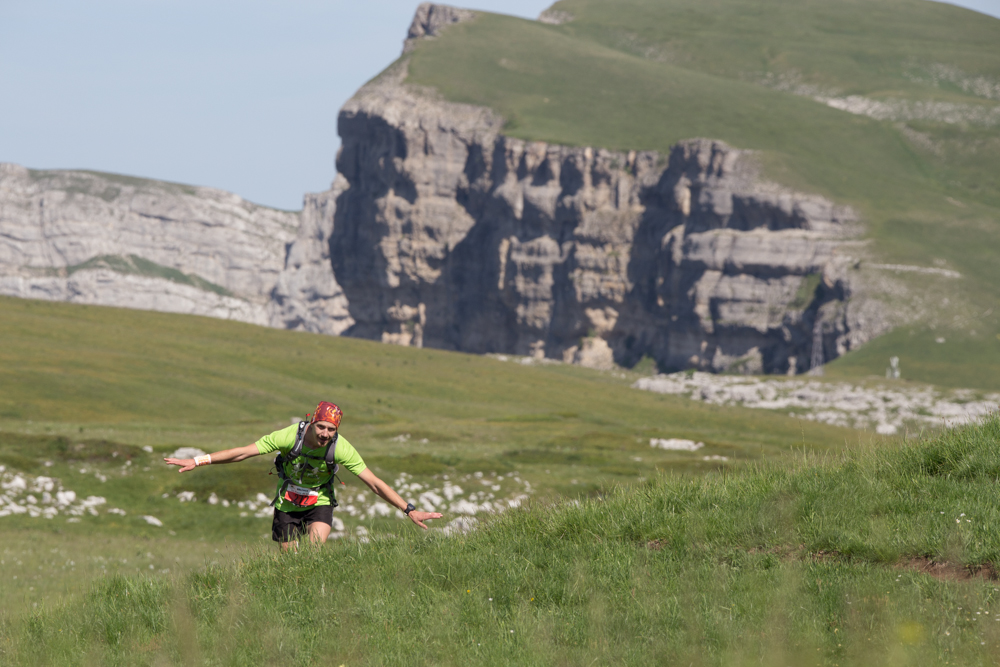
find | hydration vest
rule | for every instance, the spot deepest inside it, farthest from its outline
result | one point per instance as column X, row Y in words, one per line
column 292, row 487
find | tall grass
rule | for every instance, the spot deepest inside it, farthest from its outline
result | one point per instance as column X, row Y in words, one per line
column 813, row 562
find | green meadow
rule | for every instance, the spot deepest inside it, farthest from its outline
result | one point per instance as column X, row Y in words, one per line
column 644, row 74
column 808, row 544
column 95, row 398
column 873, row 555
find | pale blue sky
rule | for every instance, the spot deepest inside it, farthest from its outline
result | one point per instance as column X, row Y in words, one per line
column 241, row 96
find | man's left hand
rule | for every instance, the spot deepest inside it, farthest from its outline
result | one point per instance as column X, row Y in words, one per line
column 419, row 517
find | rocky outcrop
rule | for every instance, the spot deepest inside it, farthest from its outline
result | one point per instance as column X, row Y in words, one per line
column 307, row 296
column 430, row 19
column 454, row 236
column 87, row 237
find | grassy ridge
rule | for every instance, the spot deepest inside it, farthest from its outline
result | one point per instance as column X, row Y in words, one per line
column 780, row 565
column 853, row 46
column 534, row 74
column 643, row 74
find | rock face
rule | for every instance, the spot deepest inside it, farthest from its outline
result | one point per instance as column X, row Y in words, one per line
column 430, row 19
column 453, row 236
column 112, row 240
column 307, row 296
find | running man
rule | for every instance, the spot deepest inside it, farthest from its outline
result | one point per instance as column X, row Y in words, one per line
column 309, row 455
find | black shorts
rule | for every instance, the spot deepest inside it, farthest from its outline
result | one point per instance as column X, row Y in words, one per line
column 288, row 526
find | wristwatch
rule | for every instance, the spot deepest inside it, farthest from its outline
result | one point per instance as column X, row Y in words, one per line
column 409, row 508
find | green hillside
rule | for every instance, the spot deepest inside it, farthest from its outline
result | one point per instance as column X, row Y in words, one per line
column 643, row 74
column 95, row 397
column 880, row 556
column 160, row 378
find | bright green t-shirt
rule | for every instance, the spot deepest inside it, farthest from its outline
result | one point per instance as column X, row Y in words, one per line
column 317, row 471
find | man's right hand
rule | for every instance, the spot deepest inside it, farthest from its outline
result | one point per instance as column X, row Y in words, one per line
column 185, row 464
column 225, row 456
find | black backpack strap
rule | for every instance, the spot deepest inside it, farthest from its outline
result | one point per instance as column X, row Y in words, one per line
column 333, row 467
column 294, row 453
column 300, row 438
column 331, row 451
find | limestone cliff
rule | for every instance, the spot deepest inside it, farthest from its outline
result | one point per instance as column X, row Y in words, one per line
column 113, row 240
column 452, row 235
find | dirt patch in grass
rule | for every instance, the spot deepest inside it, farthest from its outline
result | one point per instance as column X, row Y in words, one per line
column 948, row 571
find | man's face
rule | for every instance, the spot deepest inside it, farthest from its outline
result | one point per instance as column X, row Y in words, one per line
column 324, row 433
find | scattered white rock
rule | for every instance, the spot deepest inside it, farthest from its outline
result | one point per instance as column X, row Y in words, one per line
column 430, row 500
column 42, row 497
column 15, row 483
column 64, row 498
column 464, row 507
column 676, row 444
column 187, row 453
column 459, row 526
column 879, row 408
column 379, row 508
column 153, row 521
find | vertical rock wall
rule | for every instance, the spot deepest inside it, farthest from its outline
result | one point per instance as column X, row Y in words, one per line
column 451, row 235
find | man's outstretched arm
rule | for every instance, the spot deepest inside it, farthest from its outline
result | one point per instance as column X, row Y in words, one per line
column 385, row 491
column 225, row 456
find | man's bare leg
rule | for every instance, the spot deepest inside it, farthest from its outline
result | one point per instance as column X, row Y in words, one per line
column 318, row 532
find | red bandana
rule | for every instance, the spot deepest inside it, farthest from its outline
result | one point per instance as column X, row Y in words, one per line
column 327, row 412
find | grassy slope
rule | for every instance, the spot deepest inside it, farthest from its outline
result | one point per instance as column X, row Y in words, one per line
column 114, row 380
column 194, row 379
column 771, row 565
column 644, row 74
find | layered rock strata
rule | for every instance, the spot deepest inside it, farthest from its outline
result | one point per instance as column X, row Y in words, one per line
column 86, row 237
column 452, row 235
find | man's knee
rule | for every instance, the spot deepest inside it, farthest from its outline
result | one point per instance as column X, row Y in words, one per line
column 319, row 531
